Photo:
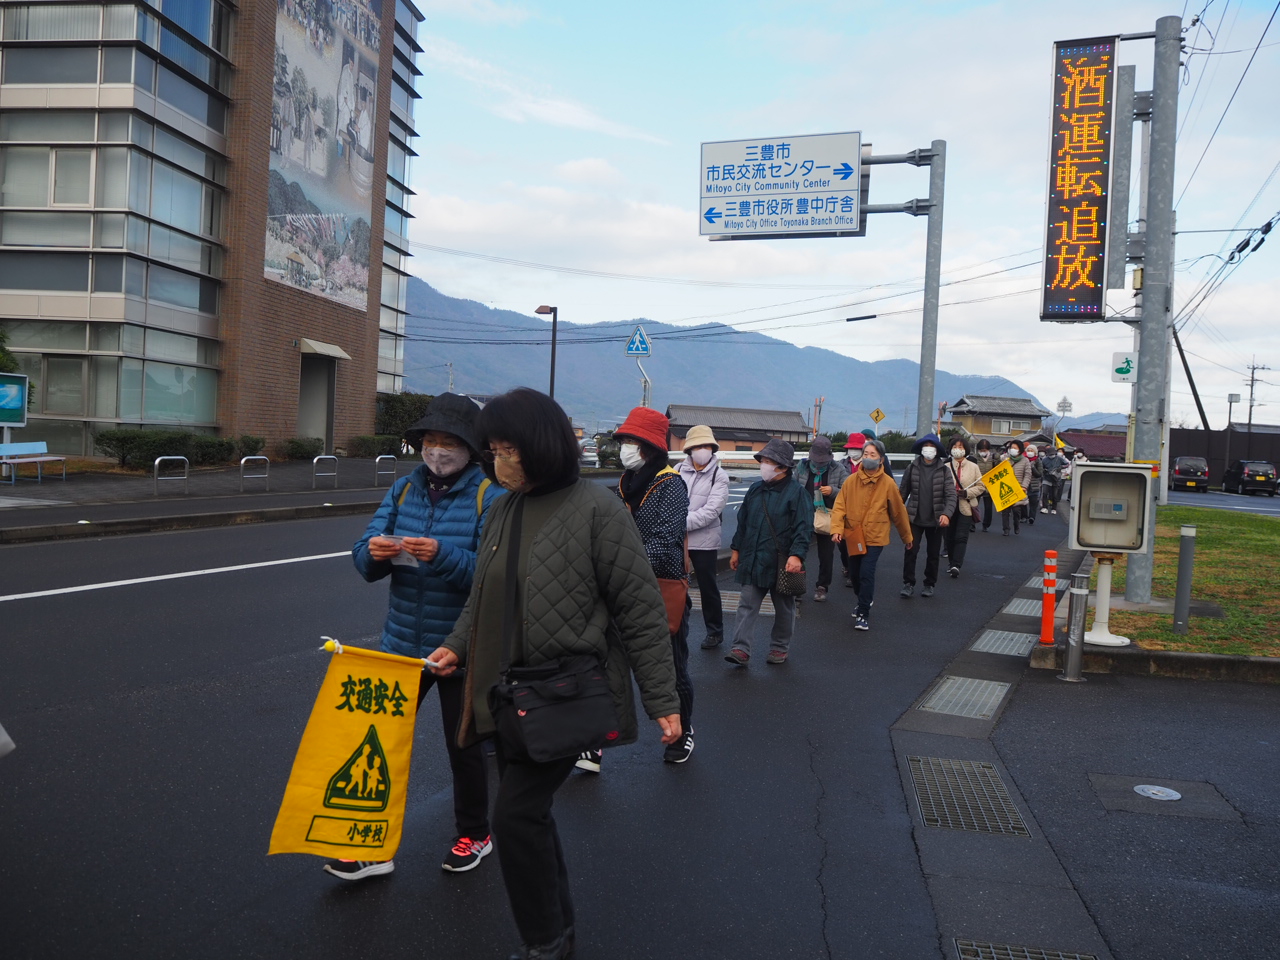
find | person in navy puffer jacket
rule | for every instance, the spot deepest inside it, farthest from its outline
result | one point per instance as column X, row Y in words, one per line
column 424, row 536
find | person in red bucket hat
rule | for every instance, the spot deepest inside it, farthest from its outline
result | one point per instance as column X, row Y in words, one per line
column 659, row 503
column 854, row 446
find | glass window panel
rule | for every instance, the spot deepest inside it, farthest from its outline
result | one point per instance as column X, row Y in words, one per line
column 64, row 385
column 212, row 213
column 178, row 394
column 176, row 198
column 209, row 352
column 118, row 21
column 131, row 388
column 176, row 248
column 26, row 177
column 148, row 28
column 139, row 183
column 397, row 162
column 144, row 69
column 113, row 126
column 47, row 65
column 104, row 380
column 387, row 383
column 46, row 335
column 44, row 271
column 51, row 22
column 113, row 177
column 194, row 16
column 71, row 175
column 109, row 230
column 181, row 152
column 177, row 92
column 162, row 345
column 64, row 437
column 208, row 296
column 131, row 339
column 174, row 288
column 46, row 229
column 136, row 235
column 135, row 282
column 108, row 276
column 32, row 364
column 104, row 336
column 47, row 126
column 117, row 65
column 220, row 30
column 185, row 55
column 141, row 132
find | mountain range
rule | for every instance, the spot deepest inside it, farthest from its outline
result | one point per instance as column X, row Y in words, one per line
column 716, row 365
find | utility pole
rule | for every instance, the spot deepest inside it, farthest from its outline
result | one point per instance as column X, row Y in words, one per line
column 1157, row 285
column 1232, row 400
column 450, row 365
column 1253, row 382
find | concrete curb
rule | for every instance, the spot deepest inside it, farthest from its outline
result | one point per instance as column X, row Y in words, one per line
column 194, row 521
column 1134, row 661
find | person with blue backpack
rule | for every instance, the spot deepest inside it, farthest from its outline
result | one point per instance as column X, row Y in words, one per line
column 424, row 537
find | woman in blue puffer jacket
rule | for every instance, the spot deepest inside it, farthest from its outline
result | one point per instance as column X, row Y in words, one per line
column 425, row 536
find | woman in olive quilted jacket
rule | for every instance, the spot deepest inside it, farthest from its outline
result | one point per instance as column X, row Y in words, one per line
column 582, row 584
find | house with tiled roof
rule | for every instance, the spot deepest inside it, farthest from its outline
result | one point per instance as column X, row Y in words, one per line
column 999, row 419
column 737, row 428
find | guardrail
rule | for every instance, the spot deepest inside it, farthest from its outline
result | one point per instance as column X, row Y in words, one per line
column 265, row 475
column 315, row 470
column 379, row 473
column 185, row 477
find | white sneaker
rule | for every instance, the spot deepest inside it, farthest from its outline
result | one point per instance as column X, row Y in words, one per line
column 589, row 760
column 1044, row 510
column 358, row 869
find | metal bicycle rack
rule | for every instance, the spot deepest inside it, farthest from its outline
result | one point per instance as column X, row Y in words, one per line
column 379, row 473
column 184, row 477
column 315, row 470
column 264, row 475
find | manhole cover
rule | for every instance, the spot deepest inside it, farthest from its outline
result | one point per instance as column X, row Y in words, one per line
column 1005, row 642
column 966, row 697
column 1157, row 793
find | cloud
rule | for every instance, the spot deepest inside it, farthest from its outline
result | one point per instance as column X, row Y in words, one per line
column 590, row 170
column 516, row 102
column 482, row 11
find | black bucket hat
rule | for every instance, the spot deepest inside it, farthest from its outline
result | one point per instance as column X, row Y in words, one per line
column 447, row 413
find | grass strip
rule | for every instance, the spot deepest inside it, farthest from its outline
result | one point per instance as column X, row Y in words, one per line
column 1236, row 567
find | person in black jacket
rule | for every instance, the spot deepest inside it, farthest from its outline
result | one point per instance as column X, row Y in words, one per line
column 930, row 497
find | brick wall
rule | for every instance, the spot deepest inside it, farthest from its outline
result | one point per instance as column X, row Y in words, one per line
column 261, row 319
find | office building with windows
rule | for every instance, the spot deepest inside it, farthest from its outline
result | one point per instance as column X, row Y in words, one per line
column 203, row 208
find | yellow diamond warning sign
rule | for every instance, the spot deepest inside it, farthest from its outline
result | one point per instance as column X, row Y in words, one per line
column 1003, row 486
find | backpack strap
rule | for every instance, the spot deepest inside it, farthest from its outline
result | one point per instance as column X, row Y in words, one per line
column 485, row 484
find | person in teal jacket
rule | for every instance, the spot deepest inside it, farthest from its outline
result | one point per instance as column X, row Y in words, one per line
column 775, row 521
column 424, row 537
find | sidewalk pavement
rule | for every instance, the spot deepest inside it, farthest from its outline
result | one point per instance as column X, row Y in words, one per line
column 120, row 504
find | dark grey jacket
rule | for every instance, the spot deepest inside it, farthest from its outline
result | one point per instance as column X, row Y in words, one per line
column 590, row 590
column 942, row 494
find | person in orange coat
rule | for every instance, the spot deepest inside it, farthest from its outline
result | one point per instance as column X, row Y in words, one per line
column 869, row 499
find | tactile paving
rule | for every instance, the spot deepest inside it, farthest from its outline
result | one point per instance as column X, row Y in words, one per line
column 964, row 795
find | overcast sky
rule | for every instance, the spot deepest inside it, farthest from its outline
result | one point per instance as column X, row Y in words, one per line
column 568, row 134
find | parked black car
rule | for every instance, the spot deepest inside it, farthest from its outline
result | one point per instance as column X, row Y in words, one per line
column 1190, row 473
column 1246, row 476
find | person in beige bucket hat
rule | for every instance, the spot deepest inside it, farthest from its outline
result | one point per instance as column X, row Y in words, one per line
column 708, row 493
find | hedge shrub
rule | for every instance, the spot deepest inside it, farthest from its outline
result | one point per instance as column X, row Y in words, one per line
column 140, row 448
column 302, row 448
column 397, row 412
column 250, row 446
column 376, row 446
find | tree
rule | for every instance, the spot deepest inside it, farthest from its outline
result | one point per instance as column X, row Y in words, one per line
column 397, row 412
column 8, row 362
column 838, row 439
column 895, row 441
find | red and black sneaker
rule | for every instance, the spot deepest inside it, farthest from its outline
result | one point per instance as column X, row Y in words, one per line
column 466, row 854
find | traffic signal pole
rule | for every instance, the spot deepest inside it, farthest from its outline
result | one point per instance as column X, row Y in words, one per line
column 1157, row 285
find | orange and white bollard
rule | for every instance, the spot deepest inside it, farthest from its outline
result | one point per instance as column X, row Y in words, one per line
column 1049, row 601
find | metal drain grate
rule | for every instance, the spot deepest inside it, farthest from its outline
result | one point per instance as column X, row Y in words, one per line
column 964, row 795
column 1006, row 642
column 1023, row 608
column 965, row 697
column 977, row 950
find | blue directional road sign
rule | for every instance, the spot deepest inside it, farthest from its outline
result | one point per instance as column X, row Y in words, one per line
column 639, row 345
column 809, row 185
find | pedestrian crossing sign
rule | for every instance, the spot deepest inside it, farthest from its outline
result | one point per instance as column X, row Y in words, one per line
column 639, row 345
column 1003, row 486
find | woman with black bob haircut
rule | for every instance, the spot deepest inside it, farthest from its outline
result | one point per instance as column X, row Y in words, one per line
column 561, row 576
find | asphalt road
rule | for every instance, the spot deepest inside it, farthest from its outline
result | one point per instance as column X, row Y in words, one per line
column 156, row 723
column 1257, row 503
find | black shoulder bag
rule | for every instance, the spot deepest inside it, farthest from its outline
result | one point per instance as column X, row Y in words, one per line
column 557, row 709
column 785, row 584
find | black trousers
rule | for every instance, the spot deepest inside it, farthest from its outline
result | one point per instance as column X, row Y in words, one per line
column 932, row 536
column 988, row 512
column 470, row 779
column 957, row 536
column 704, row 571
column 680, row 653
column 528, row 844
column 1049, row 493
column 826, row 553
column 1014, row 515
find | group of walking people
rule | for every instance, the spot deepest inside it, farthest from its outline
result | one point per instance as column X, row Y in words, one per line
column 511, row 574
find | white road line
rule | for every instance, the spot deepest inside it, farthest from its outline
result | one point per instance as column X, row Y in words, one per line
column 170, row 576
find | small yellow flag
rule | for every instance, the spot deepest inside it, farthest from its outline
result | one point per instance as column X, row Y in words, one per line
column 1003, row 486
column 346, row 793
column 1057, row 442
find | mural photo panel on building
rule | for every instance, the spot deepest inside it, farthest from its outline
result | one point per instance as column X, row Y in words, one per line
column 323, row 112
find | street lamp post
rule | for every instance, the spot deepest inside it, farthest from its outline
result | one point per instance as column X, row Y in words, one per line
column 1232, row 399
column 555, row 315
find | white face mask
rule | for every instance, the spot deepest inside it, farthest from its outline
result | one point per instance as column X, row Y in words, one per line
column 631, row 456
column 444, row 462
column 985, row 454
column 702, row 456
column 928, row 452
column 958, row 453
column 855, row 455
column 769, row 472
